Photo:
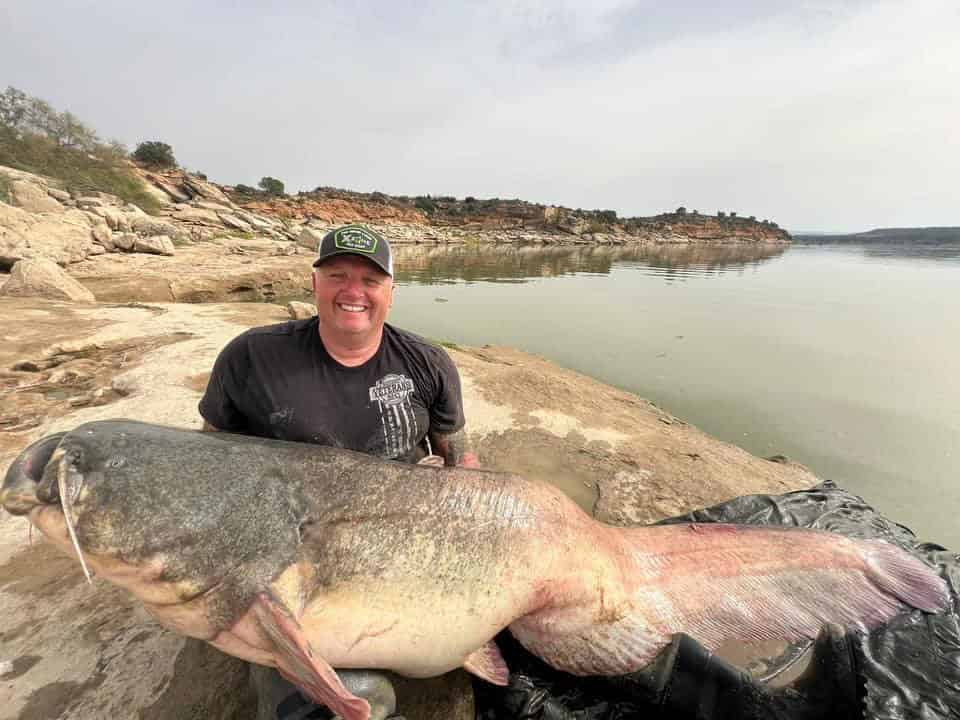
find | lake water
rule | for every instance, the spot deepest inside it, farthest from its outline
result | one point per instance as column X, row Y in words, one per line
column 845, row 358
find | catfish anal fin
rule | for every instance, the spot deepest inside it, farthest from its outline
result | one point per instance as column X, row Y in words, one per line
column 301, row 665
column 487, row 663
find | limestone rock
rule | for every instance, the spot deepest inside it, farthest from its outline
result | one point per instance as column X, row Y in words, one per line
column 33, row 197
column 156, row 244
column 56, row 194
column 63, row 237
column 210, row 205
column 146, row 225
column 300, row 310
column 205, row 190
column 199, row 216
column 170, row 190
column 234, row 222
column 39, row 277
column 115, row 218
column 125, row 241
column 101, row 233
column 310, row 238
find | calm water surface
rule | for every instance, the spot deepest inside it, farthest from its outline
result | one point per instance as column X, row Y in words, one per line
column 845, row 358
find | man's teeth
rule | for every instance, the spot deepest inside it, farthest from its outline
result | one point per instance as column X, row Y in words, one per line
column 352, row 308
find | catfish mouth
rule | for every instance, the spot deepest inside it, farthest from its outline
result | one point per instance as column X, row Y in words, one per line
column 24, row 487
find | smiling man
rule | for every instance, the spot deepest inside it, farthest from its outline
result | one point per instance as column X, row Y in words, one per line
column 344, row 377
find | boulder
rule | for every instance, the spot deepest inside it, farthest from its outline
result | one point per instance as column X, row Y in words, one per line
column 310, row 238
column 231, row 221
column 170, row 190
column 300, row 310
column 101, row 233
column 205, row 190
column 39, row 277
column 125, row 241
column 56, row 194
column 33, row 197
column 199, row 216
column 156, row 245
column 146, row 225
column 63, row 237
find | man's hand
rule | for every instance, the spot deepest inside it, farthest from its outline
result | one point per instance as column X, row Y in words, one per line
column 455, row 449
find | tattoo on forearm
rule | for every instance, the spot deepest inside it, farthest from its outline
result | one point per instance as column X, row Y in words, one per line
column 454, row 448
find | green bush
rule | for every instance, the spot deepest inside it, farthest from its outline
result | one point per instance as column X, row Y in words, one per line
column 271, row 186
column 425, row 204
column 245, row 190
column 155, row 154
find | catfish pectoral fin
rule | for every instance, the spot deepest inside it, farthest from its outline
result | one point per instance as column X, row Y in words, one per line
column 488, row 663
column 301, row 665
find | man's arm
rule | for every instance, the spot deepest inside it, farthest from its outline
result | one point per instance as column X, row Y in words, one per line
column 454, row 448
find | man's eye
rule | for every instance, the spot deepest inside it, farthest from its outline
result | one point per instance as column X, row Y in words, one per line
column 373, row 282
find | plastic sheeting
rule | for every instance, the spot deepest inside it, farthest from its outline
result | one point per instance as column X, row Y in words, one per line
column 911, row 665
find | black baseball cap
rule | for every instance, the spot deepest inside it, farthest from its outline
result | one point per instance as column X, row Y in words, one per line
column 356, row 240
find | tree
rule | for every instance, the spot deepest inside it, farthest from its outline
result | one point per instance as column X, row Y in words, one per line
column 155, row 153
column 271, row 186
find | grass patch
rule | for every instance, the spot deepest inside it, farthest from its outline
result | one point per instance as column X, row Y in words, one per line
column 78, row 171
column 6, row 191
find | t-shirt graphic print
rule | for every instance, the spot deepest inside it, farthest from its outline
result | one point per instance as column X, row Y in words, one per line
column 392, row 394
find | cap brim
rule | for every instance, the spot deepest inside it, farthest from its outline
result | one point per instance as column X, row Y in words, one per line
column 320, row 261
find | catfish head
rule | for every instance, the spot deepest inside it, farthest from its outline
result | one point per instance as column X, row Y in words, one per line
column 157, row 517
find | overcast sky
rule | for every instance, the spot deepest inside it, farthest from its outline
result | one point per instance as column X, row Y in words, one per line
column 819, row 115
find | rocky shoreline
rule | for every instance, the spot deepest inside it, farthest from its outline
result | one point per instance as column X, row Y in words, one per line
column 198, row 223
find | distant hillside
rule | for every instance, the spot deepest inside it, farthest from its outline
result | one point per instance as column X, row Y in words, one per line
column 906, row 236
column 329, row 204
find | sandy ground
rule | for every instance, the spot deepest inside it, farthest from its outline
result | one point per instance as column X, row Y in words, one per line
column 70, row 650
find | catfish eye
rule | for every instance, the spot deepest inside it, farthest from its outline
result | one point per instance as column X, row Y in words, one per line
column 116, row 461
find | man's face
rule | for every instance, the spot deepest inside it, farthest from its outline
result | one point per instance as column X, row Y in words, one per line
column 353, row 296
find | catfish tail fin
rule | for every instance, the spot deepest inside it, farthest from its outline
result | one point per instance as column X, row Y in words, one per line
column 720, row 583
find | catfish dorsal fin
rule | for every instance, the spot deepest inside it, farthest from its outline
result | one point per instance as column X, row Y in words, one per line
column 300, row 664
column 486, row 662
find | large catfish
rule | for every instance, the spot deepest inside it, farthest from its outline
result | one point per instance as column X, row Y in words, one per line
column 308, row 558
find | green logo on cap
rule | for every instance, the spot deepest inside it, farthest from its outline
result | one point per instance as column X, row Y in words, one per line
column 357, row 239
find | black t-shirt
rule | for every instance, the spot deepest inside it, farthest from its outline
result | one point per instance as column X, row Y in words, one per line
column 279, row 382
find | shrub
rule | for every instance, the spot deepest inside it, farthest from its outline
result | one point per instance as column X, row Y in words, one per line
column 425, row 204
column 5, row 194
column 246, row 190
column 155, row 154
column 271, row 186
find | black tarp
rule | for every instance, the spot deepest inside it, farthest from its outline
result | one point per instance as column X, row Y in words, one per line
column 911, row 665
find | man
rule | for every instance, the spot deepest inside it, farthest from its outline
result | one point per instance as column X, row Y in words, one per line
column 345, row 377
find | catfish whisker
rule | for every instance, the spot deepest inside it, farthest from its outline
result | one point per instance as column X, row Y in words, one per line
column 66, row 500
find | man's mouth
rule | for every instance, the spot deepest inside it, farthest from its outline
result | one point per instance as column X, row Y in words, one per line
column 347, row 307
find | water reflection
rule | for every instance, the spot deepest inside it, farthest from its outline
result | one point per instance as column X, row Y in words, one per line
column 444, row 264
